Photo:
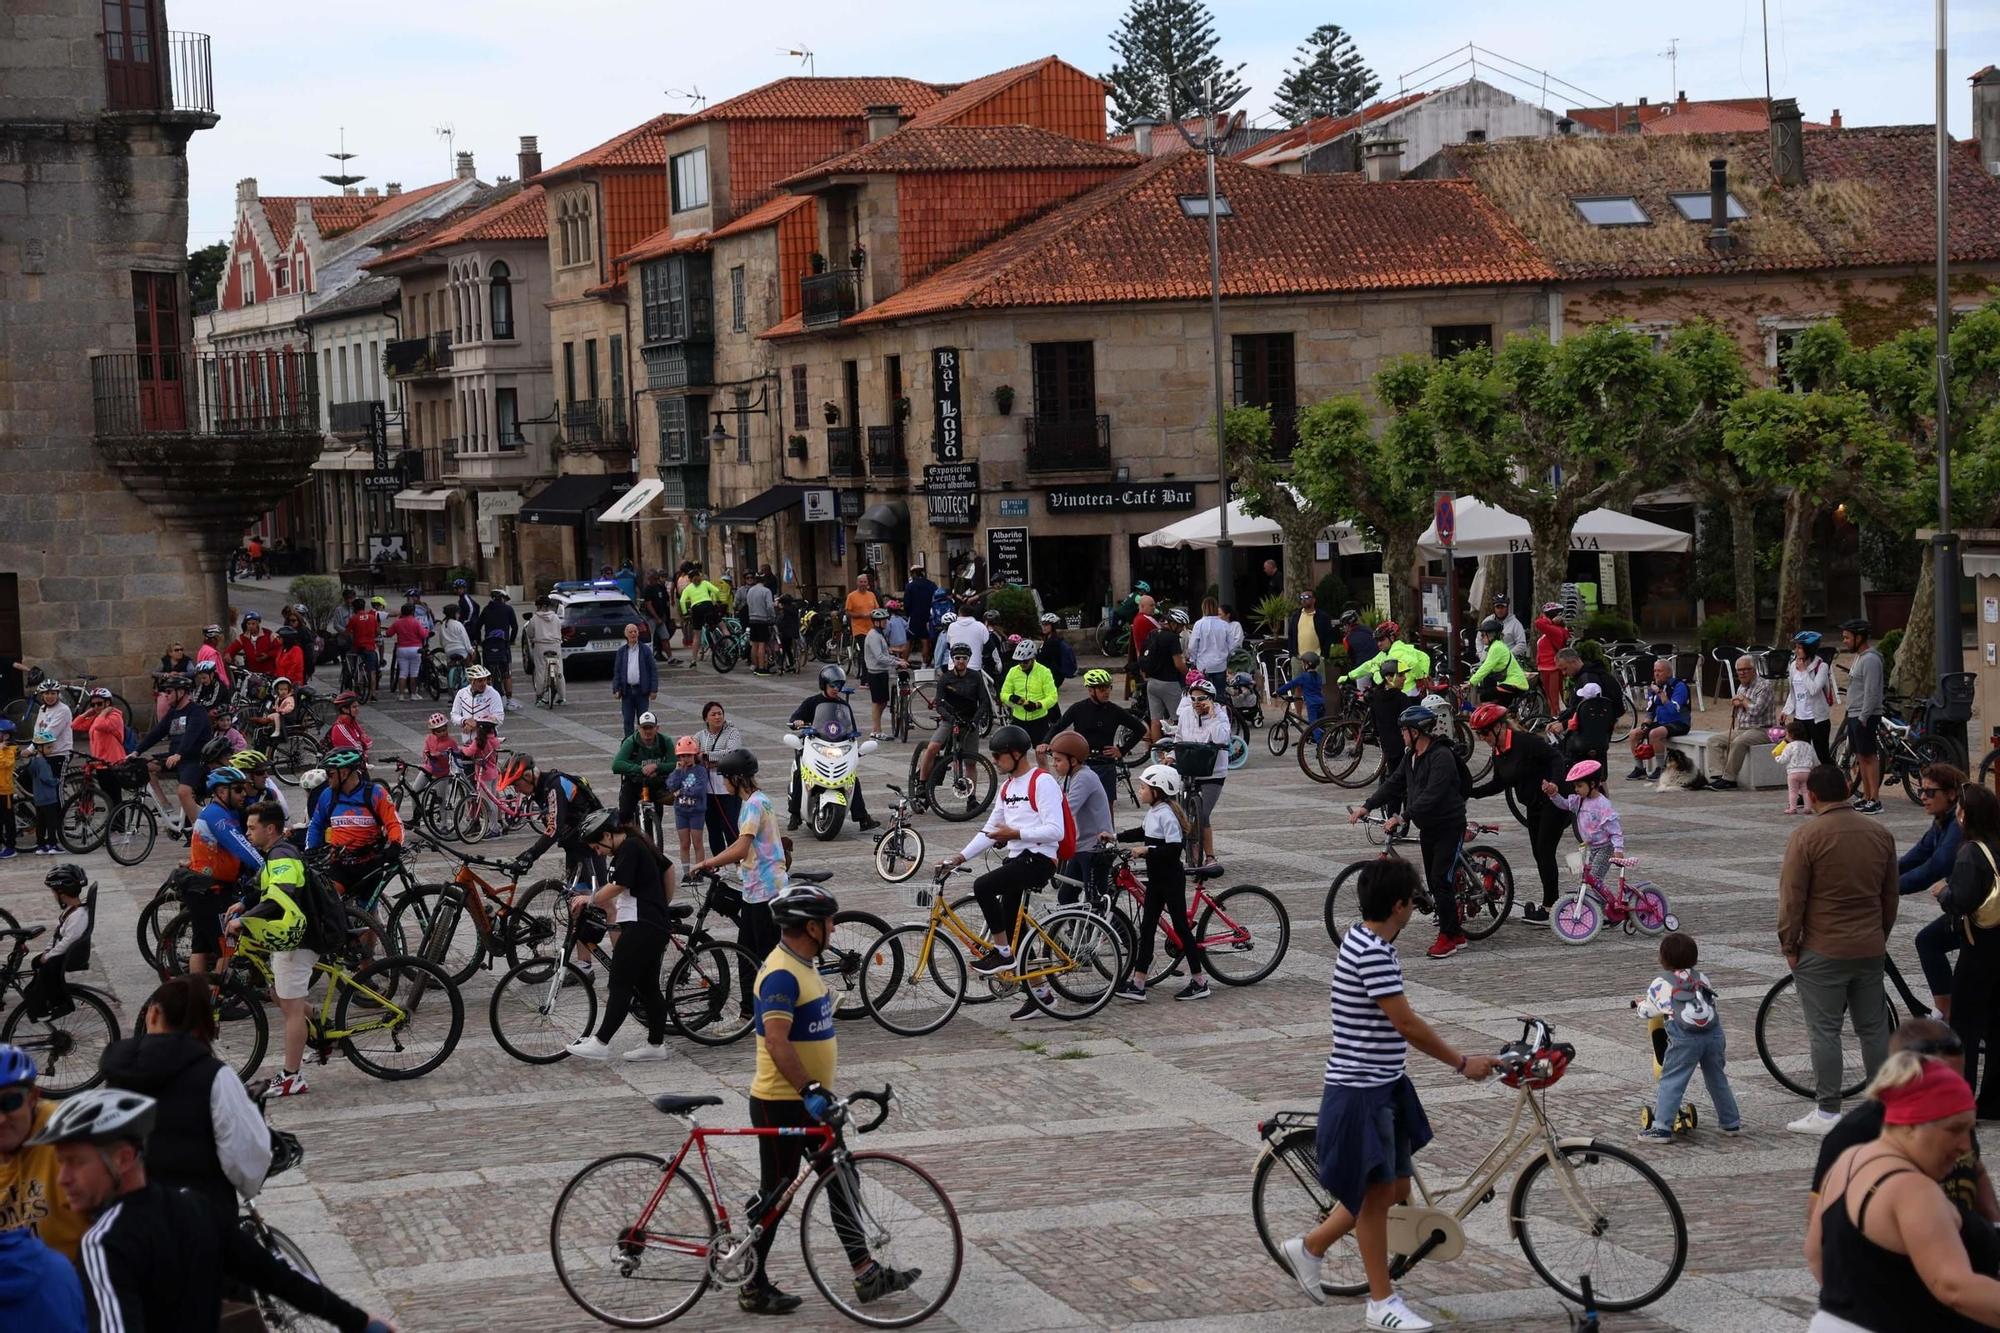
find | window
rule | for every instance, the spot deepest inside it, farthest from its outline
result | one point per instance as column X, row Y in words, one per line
column 573, row 229
column 1778, row 356
column 1196, row 206
column 246, row 273
column 801, row 411
column 507, row 418
column 618, row 375
column 1263, row 369
column 1612, row 211
column 690, row 177
column 569, row 372
column 736, row 298
column 1448, row 340
column 742, row 422
column 590, row 367
column 1694, row 206
column 500, row 300
column 457, row 314
column 675, row 299
column 283, row 274
column 1065, row 381
column 683, row 421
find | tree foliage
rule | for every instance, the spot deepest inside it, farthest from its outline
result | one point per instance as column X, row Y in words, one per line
column 1161, row 45
column 1260, row 484
column 1714, row 364
column 204, row 270
column 1327, row 78
column 1379, row 479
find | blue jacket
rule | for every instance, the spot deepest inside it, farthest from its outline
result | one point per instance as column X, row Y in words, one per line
column 1670, row 706
column 47, row 785
column 917, row 596
column 38, row 1287
column 649, row 673
column 1312, row 688
column 1930, row 860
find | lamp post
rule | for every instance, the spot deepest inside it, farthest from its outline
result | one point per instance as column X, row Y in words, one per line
column 1944, row 543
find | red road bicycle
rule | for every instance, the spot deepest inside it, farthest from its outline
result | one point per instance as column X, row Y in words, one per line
column 638, row 1240
column 1244, row 930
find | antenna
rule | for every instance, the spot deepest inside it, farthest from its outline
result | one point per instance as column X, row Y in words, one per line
column 1764, row 9
column 691, row 94
column 450, row 136
column 1673, row 54
column 340, row 176
column 805, row 56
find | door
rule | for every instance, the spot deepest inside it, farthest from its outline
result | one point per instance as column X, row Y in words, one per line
column 131, row 55
column 156, row 337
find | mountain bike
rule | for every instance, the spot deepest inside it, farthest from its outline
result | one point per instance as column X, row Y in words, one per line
column 637, row 1239
column 839, row 964
column 465, row 924
column 1903, row 746
column 1482, row 881
column 962, row 781
column 67, row 1042
column 1591, row 1218
column 726, row 641
column 545, row 1003
column 286, row 1153
column 899, row 848
column 394, row 1018
column 1784, row 1042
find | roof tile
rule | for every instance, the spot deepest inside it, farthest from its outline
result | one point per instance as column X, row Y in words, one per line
column 968, row 148
column 522, row 215
column 801, row 98
column 668, row 241
column 1719, row 115
column 641, row 146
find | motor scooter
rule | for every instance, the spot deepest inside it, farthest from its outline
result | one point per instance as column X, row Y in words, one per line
column 830, row 751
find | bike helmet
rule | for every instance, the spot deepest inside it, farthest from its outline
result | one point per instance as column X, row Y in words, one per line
column 1487, row 716
column 478, row 673
column 437, row 722
column 1856, row 626
column 687, row 745
column 458, row 585
column 16, row 1066
column 1583, row 770
column 1070, row 745
column 522, row 767
column 1051, row 618
column 227, row 776
column 1590, row 690
column 800, row 903
column 205, row 668
column 250, row 760
column 1491, row 625
column 960, row 652
column 101, row 694
column 737, row 764
column 1009, row 740
column 379, row 603
column 413, row 592
column 1177, row 617
column 1806, row 638
column 648, row 719
column 340, row 759
column 1536, row 1067
column 44, row 736
column 1162, row 778
column 1201, row 685
column 1024, row 651
column 1310, row 661
column 69, row 878
column 1097, row 678
column 594, row 825
column 1193, row 674
column 1417, row 718
column 880, row 613
column 50, row 686
column 217, row 750
column 832, row 677
column 102, row 1115
column 947, row 618
column 169, row 683
column 249, row 616
column 345, row 698
column 312, row 780
column 211, row 631
column 1142, row 586
column 1388, row 629
column 1350, row 617
column 992, row 616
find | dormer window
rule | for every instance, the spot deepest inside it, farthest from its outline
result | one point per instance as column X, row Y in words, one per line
column 1611, row 210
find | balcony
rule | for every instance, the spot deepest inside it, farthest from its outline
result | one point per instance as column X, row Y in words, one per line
column 597, row 425
column 679, row 365
column 829, row 297
column 886, row 455
column 174, row 79
column 447, row 457
column 418, row 358
column 843, row 453
column 352, row 421
column 506, row 462
column 1069, row 444
column 686, row 487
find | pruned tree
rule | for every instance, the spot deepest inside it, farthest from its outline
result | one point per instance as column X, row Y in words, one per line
column 1262, row 487
column 1163, row 47
column 1715, row 366
column 1327, row 78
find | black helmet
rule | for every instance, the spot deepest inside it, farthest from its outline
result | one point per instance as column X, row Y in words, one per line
column 172, row 681
column 737, row 764
column 69, row 878
column 1010, row 740
column 1417, row 718
column 1490, row 625
column 1858, row 627
column 800, row 903
column 833, row 676
column 594, row 824
column 218, row 749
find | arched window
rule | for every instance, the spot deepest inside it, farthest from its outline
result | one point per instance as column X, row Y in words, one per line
column 457, row 314
column 500, row 301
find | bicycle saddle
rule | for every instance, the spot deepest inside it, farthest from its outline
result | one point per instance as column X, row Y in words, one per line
column 1210, row 871
column 680, row 911
column 809, row 876
column 680, row 1103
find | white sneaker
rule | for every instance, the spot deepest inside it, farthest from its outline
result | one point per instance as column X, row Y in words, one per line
column 1392, row 1313
column 1815, row 1122
column 513, row 705
column 589, row 1048
column 1305, row 1267
column 647, row 1051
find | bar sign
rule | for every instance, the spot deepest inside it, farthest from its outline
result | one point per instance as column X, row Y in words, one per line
column 949, row 439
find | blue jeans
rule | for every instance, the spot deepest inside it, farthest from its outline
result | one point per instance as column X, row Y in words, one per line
column 1687, row 1051
column 1936, row 943
column 629, row 707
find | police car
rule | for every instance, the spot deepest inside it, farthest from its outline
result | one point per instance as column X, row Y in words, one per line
column 594, row 615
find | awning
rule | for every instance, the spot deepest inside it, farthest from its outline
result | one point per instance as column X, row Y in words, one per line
column 345, row 460
column 574, row 498
column 1484, row 529
column 1202, row 531
column 883, row 522
column 759, row 507
column 429, row 501
column 633, row 501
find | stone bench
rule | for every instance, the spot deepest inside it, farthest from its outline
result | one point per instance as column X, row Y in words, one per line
column 1704, row 750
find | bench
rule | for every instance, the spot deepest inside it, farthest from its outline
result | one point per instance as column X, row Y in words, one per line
column 1703, row 750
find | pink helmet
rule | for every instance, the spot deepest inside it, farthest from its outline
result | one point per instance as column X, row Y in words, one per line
column 437, row 720
column 1583, row 769
column 1192, row 677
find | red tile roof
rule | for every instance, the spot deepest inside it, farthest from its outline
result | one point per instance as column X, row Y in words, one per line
column 669, row 242
column 1239, row 137
column 337, row 213
column 641, row 146
column 522, row 215
column 1296, row 142
column 800, row 98
column 1869, row 201
column 967, row 148
column 1721, row 115
column 1288, row 235
column 966, row 96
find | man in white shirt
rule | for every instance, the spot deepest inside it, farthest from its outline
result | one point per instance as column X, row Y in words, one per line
column 478, row 701
column 1208, row 642
column 972, row 632
column 1027, row 820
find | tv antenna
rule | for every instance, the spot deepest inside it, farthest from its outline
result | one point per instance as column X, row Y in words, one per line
column 341, row 176
column 692, row 95
column 805, row 57
column 1673, row 55
column 450, row 136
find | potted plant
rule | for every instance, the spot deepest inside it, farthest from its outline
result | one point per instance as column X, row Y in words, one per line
column 1274, row 612
column 818, row 262
column 1003, row 398
column 902, row 409
column 796, row 446
column 831, row 410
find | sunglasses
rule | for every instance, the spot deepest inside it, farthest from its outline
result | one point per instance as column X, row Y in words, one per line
column 12, row 1100
column 1927, row 792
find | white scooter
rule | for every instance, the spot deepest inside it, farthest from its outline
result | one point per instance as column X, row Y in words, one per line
column 830, row 753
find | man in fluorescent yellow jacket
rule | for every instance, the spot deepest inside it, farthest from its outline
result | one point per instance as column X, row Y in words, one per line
column 1510, row 680
column 1029, row 692
column 1400, row 668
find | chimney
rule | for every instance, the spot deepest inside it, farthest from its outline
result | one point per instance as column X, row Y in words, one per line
column 1681, row 100
column 465, row 171
column 1720, row 240
column 246, row 190
column 351, row 192
column 1382, row 159
column 1633, row 125
column 1833, row 122
column 371, row 192
column 531, row 157
column 1142, row 135
column 884, row 119
column 1985, row 116
column 392, row 189
column 1788, row 142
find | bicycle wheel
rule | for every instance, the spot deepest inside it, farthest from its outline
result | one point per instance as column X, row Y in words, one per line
column 619, row 1271
column 292, row 754
column 1784, row 1043
column 447, row 799
column 1287, row 1200
column 402, row 1016
column 537, row 1010
column 1577, row 917
column 129, row 838
column 170, row 947
column 471, row 820
column 980, row 989
column 876, row 1205
column 152, row 918
column 1080, row 951
column 278, row 1316
column 68, row 1047
column 1341, row 912
column 242, row 1025
column 1279, row 736
column 1650, row 914
column 898, row 854
column 962, row 786
column 1925, row 750
column 434, row 918
column 86, row 818
column 534, row 926
column 841, row 961
column 1614, row 1218
column 1244, row 933
column 1484, row 883
column 700, row 990
column 1342, row 754
column 913, row 980
column 1239, row 750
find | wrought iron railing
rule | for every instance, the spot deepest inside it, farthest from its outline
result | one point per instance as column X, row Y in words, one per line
column 145, row 72
column 829, row 297
column 1068, row 444
column 596, row 423
column 843, row 454
column 352, row 418
column 886, row 455
column 207, row 393
column 418, row 356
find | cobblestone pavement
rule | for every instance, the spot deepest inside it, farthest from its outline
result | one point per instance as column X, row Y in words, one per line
column 1102, row 1169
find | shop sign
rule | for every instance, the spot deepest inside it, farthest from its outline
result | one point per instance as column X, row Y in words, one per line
column 1007, row 555
column 1120, row 497
column 948, row 422
column 951, row 493
column 1013, row 509
column 819, row 506
column 378, row 435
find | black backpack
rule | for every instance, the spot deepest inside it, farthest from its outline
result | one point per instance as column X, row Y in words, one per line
column 326, row 915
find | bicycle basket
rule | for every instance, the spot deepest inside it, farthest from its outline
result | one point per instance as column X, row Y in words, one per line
column 591, row 925
column 1195, row 759
column 1542, row 1068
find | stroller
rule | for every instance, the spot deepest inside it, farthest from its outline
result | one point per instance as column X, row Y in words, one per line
column 1246, row 706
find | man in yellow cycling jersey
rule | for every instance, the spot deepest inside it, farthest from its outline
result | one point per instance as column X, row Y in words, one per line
column 1399, row 671
column 1029, row 692
column 277, row 921
column 1510, row 679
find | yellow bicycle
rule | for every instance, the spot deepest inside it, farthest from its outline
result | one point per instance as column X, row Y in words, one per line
column 394, row 1018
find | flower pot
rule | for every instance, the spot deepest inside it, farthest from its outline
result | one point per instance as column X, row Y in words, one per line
column 1887, row 610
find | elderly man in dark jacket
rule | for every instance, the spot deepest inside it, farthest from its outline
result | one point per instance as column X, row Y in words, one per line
column 1428, row 789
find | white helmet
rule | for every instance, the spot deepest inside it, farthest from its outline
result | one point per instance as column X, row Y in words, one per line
column 1024, row 651
column 1162, row 779
column 648, row 720
column 1439, row 707
column 312, row 779
column 478, row 673
column 946, row 619
column 101, row 1115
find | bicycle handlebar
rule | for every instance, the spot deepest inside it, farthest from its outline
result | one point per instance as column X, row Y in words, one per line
column 879, row 1099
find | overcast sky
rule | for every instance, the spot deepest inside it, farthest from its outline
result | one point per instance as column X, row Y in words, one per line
column 576, row 72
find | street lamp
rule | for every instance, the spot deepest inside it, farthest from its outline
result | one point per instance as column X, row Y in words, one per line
column 1944, row 543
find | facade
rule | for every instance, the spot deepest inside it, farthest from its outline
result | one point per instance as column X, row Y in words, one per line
column 133, row 461
column 1420, row 124
column 347, row 333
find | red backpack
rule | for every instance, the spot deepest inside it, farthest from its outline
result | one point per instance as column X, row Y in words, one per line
column 1067, row 847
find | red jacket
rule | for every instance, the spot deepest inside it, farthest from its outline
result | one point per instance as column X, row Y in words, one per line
column 259, row 653
column 291, row 664
column 1550, row 639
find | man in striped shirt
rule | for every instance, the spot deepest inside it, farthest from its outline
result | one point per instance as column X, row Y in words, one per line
column 1370, row 1121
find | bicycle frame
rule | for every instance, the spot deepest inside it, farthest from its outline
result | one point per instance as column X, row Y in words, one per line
column 967, row 938
column 697, row 1139
column 1199, row 901
column 387, row 1014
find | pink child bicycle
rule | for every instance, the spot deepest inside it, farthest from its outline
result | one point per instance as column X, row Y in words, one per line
column 1580, row 915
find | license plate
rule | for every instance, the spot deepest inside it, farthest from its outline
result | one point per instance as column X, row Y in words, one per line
column 571, row 649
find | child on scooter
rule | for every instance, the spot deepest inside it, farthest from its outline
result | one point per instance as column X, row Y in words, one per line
column 1597, row 825
column 1682, row 997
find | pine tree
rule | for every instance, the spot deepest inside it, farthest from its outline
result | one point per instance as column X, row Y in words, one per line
column 1161, row 45
column 1328, row 78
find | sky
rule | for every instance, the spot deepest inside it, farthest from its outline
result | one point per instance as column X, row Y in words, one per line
column 577, row 72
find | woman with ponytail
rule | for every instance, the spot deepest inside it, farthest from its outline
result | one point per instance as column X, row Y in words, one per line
column 639, row 889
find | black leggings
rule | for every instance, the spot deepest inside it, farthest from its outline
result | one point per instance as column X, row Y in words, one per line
column 635, row 974
column 1822, row 743
column 1387, row 705
column 721, row 820
column 1001, row 889
column 1546, row 826
column 758, row 934
column 1166, row 887
column 1440, row 843
column 778, row 1158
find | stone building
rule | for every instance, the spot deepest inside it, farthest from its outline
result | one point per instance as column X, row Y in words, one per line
column 131, row 462
column 1419, row 124
column 347, row 333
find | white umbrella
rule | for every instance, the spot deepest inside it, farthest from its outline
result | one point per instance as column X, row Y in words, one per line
column 1202, row 531
column 1484, row 529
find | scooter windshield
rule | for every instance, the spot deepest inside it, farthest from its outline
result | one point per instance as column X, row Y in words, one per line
column 833, row 720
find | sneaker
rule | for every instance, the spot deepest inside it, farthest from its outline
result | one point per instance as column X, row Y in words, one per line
column 513, row 705
column 1815, row 1122
column 1029, row 1010
column 1655, row 1135
column 648, row 1051
column 1870, row 807
column 6, row 852
column 867, row 824
column 1721, row 784
column 881, row 1280
column 1533, row 914
column 1196, row 989
column 1731, row 1131
column 1444, row 946
column 1637, row 774
column 1393, row 1314
column 1136, row 994
column 589, row 1048
column 992, row 962
column 792, row 824
column 290, row 1085
column 766, row 1300
column 1305, row 1268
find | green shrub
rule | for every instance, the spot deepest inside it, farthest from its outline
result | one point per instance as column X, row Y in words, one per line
column 1887, row 646
column 1725, row 627
column 1016, row 606
column 455, row 573
column 1609, row 625
column 319, row 594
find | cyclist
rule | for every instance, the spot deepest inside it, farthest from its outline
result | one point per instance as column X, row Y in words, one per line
column 1053, row 650
column 700, row 601
column 185, row 727
column 219, row 851
column 455, row 638
column 832, row 690
column 758, row 847
column 1201, row 722
column 941, row 641
column 1499, row 661
column 1428, row 789
column 797, row 1059
column 277, row 921
column 498, row 628
column 1163, row 831
column 1311, row 688
column 1522, row 761
column 962, row 702
column 642, row 761
column 1511, row 632
column 1098, row 721
column 1029, row 824
column 364, row 628
column 567, row 800
column 29, row 1195
column 638, row 888
column 468, row 610
column 211, row 651
column 1390, row 677
column 478, row 701
column 1129, row 607
column 256, row 647
column 1357, row 638
column 1029, row 691
column 47, row 993
column 967, row 629
column 439, row 747
column 878, row 664
column 347, row 733
column 1090, row 807
column 156, row 1258
column 1165, row 666
column 356, row 819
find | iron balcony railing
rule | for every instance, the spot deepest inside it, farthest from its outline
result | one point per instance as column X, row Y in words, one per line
column 145, row 72
column 207, row 393
column 418, row 357
column 1068, row 444
column 843, row 454
column 886, row 456
column 829, row 297
column 686, row 487
column 352, row 418
column 596, row 423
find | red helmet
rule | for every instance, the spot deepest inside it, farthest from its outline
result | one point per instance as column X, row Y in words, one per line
column 1388, row 629
column 346, row 697
column 1540, row 1069
column 1487, row 716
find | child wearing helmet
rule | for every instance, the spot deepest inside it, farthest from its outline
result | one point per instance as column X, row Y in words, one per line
column 45, row 784
column 439, row 747
column 686, row 784
column 1597, row 826
column 1029, row 692
column 1163, row 832
column 879, row 665
column 9, row 754
column 1310, row 686
column 47, row 994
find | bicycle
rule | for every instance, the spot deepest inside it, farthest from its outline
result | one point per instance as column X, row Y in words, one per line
column 1591, row 1218
column 364, row 911
column 75, row 693
column 962, row 781
column 1244, row 930
column 1785, row 1046
column 899, row 848
column 1640, row 908
column 462, row 925
column 914, row 977
column 1903, row 746
column 414, row 793
column 545, row 1002
column 67, row 1046
column 1482, row 881
column 701, row 989
column 637, row 1239
column 553, row 692
column 1290, row 730
column 726, row 641
column 286, row 1153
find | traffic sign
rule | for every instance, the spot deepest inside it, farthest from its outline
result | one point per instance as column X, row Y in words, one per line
column 1447, row 519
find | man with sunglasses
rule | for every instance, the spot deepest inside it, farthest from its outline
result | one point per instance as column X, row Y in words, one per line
column 1927, row 864
column 28, row 1194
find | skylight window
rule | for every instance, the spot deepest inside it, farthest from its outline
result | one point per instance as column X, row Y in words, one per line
column 1619, row 210
column 1196, row 206
column 1694, row 206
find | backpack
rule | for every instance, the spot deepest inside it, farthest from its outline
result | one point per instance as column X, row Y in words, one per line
column 325, row 911
column 1066, row 849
